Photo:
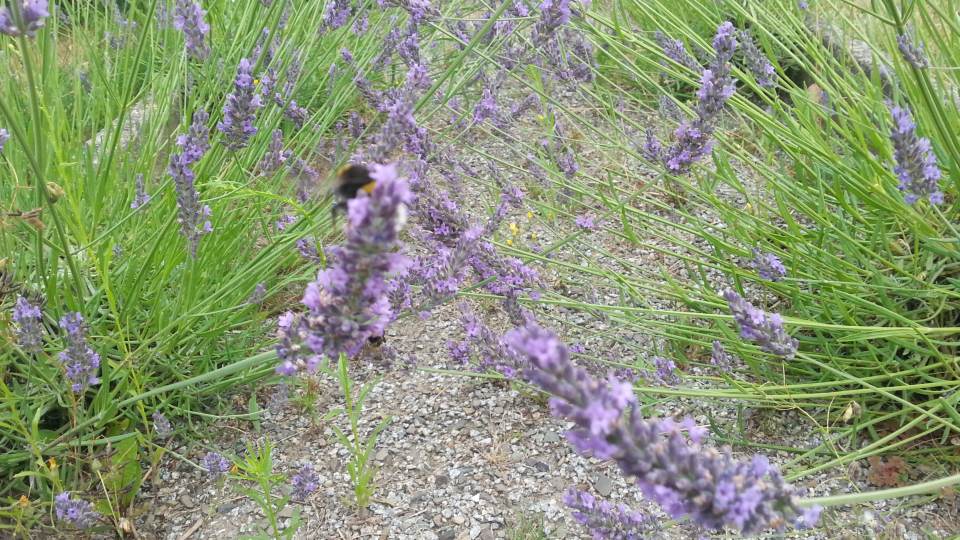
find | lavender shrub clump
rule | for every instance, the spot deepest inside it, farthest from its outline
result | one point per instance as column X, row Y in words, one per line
column 764, row 329
column 239, row 111
column 348, row 303
column 693, row 138
column 193, row 218
column 686, row 478
column 606, row 521
column 916, row 163
column 29, row 332
column 188, row 18
column 79, row 361
column 32, row 12
column 768, row 266
column 305, row 482
column 77, row 512
column 215, row 464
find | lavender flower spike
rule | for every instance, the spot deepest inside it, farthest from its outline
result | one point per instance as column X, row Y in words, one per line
column 4, row 137
column 79, row 361
column 239, row 111
column 188, row 18
column 912, row 52
column 677, row 471
column 305, row 482
column 757, row 62
column 141, row 197
column 215, row 464
column 78, row 512
column 765, row 329
column 33, row 12
column 916, row 163
column 605, row 521
column 27, row 319
column 194, row 218
column 348, row 303
column 768, row 265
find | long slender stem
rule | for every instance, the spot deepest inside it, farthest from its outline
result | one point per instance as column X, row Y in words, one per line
column 924, row 488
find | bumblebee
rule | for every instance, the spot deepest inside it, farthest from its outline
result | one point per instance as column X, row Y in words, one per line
column 352, row 179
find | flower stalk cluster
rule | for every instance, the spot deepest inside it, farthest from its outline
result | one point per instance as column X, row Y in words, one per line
column 239, row 112
column 193, row 218
column 79, row 361
column 27, row 317
column 188, row 18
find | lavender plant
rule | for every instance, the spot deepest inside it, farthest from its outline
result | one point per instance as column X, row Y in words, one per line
column 29, row 331
column 916, row 163
column 80, row 363
column 239, row 112
column 76, row 512
column 188, row 17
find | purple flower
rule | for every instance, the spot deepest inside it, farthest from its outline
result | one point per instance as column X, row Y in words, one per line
column 757, row 62
column 486, row 108
column 360, row 25
column 677, row 471
column 258, row 294
column 916, row 163
column 141, row 197
column 188, row 17
column 519, row 108
column 336, row 13
column 193, row 218
column 161, row 426
column 275, row 157
column 305, row 482
column 27, row 319
column 215, row 464
column 32, row 14
column 348, row 303
column 912, row 52
column 665, row 374
column 765, row 329
column 484, row 349
column 553, row 15
column 674, row 50
column 768, row 265
column 4, row 137
column 605, row 521
column 720, row 358
column 77, row 512
column 239, row 111
column 586, row 222
column 80, row 362
column 693, row 139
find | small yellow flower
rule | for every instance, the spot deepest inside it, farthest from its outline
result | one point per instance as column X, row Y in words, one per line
column 509, row 241
column 234, row 469
column 24, row 501
column 748, row 207
column 533, row 236
column 52, row 463
column 529, row 214
column 256, row 81
column 514, row 229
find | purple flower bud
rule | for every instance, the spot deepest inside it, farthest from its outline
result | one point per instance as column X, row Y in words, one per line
column 188, row 18
column 586, row 222
column 912, row 52
column 275, row 157
column 336, row 13
column 768, row 265
column 765, row 329
column 4, row 137
column 605, row 521
column 28, row 329
column 720, row 358
column 305, row 482
column 192, row 216
column 674, row 50
column 79, row 361
column 757, row 62
column 215, row 464
column 77, row 512
column 32, row 13
column 916, row 163
column 141, row 197
column 239, row 112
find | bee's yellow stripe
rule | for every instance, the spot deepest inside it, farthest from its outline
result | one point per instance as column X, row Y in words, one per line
column 368, row 187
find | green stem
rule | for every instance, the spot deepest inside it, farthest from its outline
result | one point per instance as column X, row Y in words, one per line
column 932, row 486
